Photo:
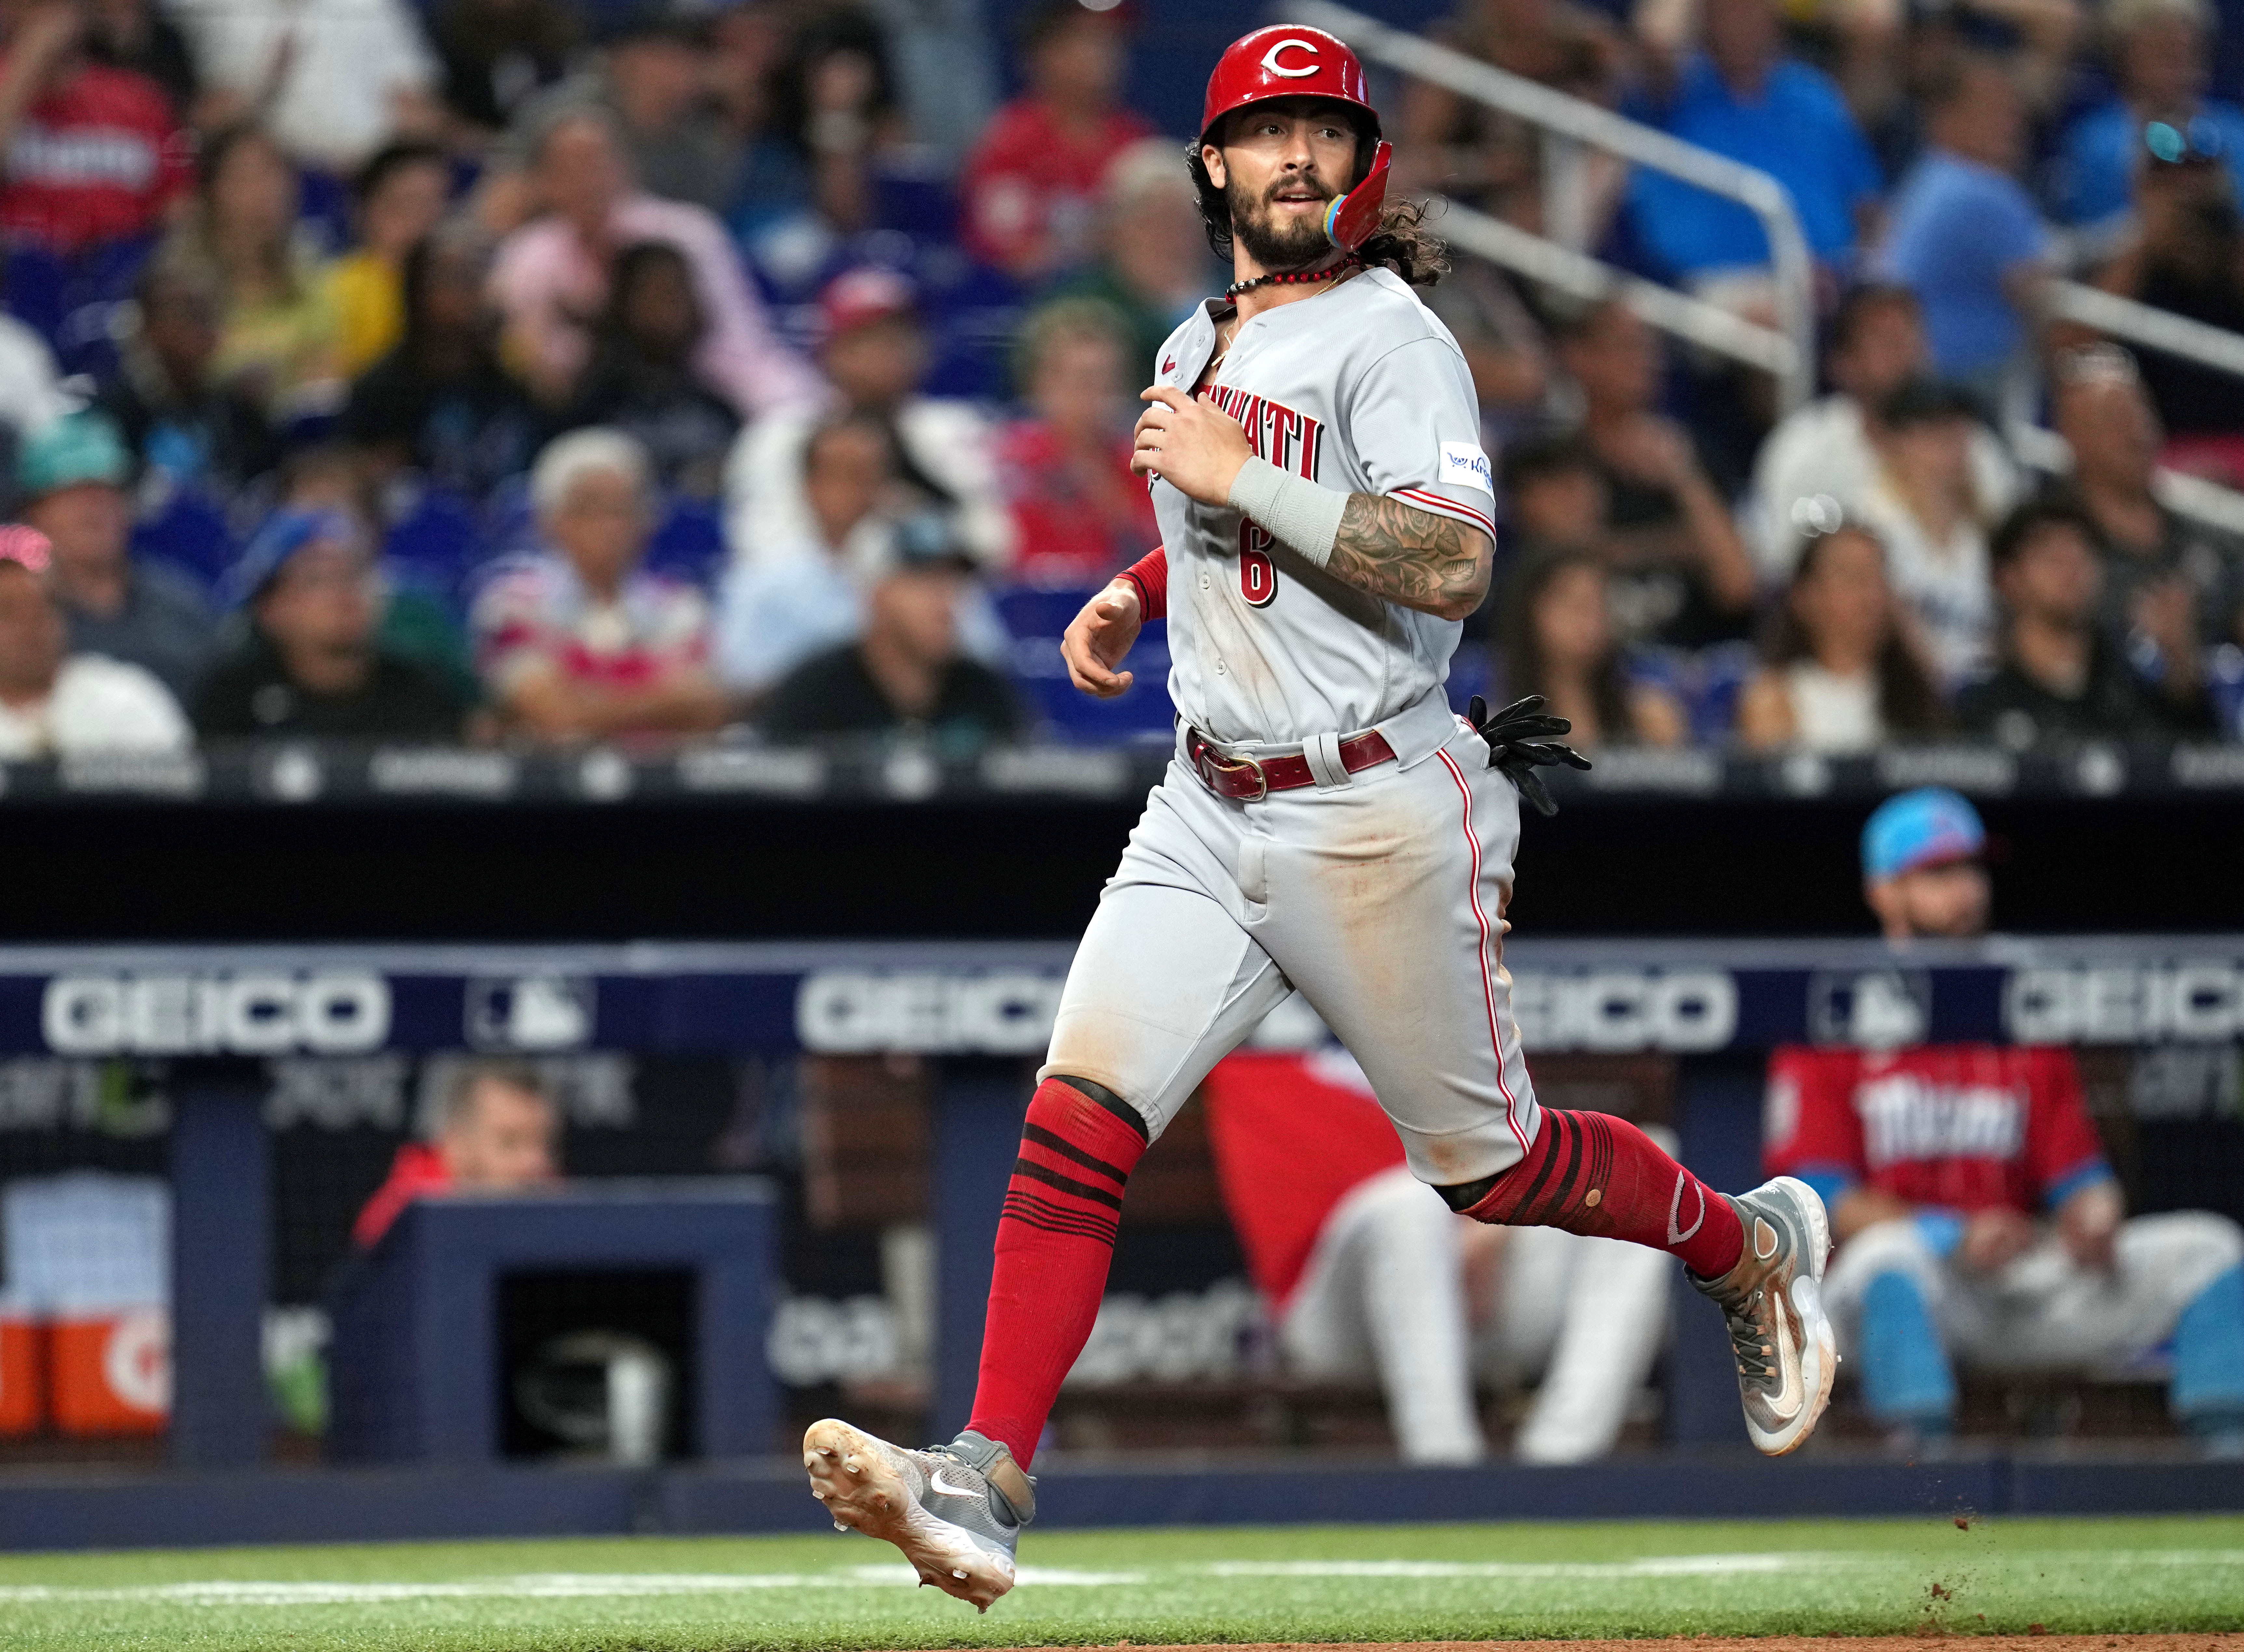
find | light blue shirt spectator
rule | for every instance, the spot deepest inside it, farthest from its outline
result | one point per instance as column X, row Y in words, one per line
column 2096, row 175
column 774, row 615
column 1798, row 129
column 1960, row 235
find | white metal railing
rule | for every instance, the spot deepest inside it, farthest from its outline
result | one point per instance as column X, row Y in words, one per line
column 2138, row 323
column 1572, row 119
column 2179, row 492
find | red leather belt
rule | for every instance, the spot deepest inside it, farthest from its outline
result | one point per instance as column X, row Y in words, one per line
column 1249, row 779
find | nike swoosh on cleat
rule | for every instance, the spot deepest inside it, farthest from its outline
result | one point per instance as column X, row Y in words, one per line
column 937, row 1481
column 1792, row 1395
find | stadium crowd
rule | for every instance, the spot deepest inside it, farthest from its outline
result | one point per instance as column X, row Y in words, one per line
column 556, row 370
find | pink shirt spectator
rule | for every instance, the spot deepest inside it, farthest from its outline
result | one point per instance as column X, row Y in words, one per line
column 549, row 285
column 537, row 617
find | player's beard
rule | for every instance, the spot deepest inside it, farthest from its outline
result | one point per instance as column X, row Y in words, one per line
column 1291, row 243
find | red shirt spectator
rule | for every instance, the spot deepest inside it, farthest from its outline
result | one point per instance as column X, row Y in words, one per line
column 96, row 156
column 1033, row 182
column 1959, row 1127
column 1078, row 513
column 1261, row 1109
column 496, row 1136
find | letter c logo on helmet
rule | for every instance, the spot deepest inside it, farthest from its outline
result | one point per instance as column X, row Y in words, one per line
column 1270, row 59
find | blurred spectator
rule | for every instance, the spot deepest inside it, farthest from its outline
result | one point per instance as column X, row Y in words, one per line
column 1488, row 159
column 1367, row 1274
column 2162, row 51
column 552, row 274
column 642, row 378
column 139, row 36
column 494, row 54
column 775, row 612
column 1078, row 515
column 1679, row 570
column 278, row 337
column 400, row 195
column 1924, row 509
column 2186, row 255
column 1840, row 677
column 1965, row 235
column 2056, row 676
column 1558, row 642
column 1825, row 450
column 498, row 1133
column 1731, row 89
column 184, row 429
column 875, row 353
column 93, row 153
column 1032, row 183
column 1977, row 1217
column 1500, row 340
column 331, row 80
column 581, row 641
column 57, row 702
column 650, row 84
column 71, row 476
column 312, row 664
column 1154, row 265
column 945, row 63
column 833, row 114
column 906, row 675
column 442, row 403
column 2169, row 584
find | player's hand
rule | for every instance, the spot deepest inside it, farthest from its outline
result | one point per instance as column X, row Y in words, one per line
column 1995, row 1239
column 1097, row 638
column 1192, row 444
column 2089, row 1221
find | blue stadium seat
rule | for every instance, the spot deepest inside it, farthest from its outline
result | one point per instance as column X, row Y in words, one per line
column 191, row 534
column 435, row 545
column 1035, row 619
column 689, row 544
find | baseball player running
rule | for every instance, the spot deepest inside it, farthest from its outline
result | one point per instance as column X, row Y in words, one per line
column 1328, row 824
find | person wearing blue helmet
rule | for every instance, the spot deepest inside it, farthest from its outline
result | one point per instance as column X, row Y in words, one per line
column 1979, row 1222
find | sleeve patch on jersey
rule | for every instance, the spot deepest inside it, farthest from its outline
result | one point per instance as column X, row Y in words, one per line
column 1465, row 466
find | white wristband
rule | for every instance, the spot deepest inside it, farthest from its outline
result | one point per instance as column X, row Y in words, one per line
column 1303, row 515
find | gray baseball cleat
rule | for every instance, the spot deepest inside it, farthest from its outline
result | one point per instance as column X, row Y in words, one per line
column 1773, row 1300
column 955, row 1511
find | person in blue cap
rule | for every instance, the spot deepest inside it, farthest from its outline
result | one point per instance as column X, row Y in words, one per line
column 1978, row 1220
column 313, row 664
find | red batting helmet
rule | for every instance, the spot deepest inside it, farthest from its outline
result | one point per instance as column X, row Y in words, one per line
column 1285, row 60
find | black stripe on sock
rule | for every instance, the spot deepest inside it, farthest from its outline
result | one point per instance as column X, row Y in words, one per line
column 1082, row 1228
column 1107, row 1099
column 1563, row 1191
column 1036, row 1172
column 1559, row 1123
column 1067, row 1148
column 1053, row 1208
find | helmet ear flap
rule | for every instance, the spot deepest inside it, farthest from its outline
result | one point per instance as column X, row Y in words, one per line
column 1351, row 220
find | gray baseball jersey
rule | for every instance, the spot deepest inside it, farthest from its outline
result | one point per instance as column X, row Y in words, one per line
column 1359, row 388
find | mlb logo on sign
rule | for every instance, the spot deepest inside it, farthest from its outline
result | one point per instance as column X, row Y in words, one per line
column 1466, row 466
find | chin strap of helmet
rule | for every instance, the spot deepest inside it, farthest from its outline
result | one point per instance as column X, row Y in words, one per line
column 1350, row 220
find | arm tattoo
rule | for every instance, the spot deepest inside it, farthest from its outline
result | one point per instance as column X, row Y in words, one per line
column 1418, row 558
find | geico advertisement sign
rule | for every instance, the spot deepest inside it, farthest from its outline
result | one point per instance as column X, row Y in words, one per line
column 1679, row 1010
column 849, row 1011
column 269, row 1013
column 1010, row 1014
column 2190, row 1001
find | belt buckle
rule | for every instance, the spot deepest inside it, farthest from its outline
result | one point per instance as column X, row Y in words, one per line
column 1211, row 759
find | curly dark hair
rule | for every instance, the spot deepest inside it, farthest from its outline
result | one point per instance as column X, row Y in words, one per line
column 1401, row 243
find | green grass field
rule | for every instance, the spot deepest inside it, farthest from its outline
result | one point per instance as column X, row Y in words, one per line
column 1330, row 1583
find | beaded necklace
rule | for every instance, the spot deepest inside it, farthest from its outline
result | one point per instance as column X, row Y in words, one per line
column 1287, row 278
